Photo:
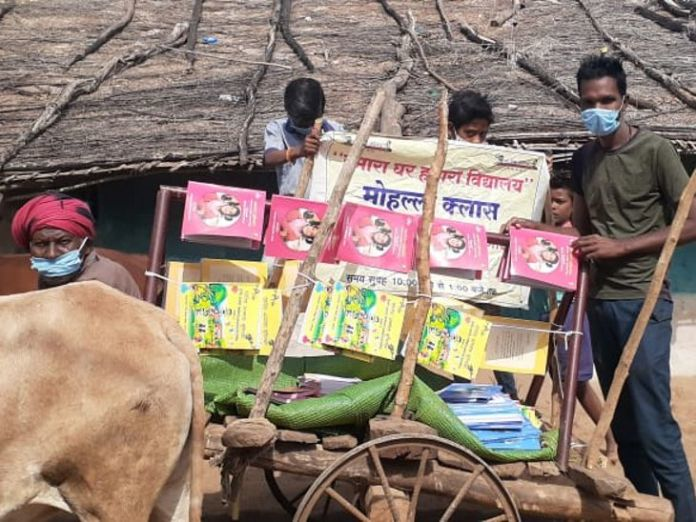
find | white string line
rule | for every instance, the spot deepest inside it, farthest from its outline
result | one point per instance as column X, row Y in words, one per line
column 311, row 281
column 297, row 287
column 565, row 334
column 148, row 273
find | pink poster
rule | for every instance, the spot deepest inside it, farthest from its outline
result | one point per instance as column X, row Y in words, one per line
column 292, row 227
column 543, row 259
column 220, row 215
column 377, row 238
column 457, row 246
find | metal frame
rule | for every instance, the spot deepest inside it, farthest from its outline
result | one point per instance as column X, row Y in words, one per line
column 156, row 257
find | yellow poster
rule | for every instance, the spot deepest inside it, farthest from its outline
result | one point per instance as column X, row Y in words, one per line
column 481, row 184
column 453, row 341
column 271, row 317
column 221, row 315
column 177, row 273
column 315, row 316
column 364, row 321
column 517, row 346
column 233, row 271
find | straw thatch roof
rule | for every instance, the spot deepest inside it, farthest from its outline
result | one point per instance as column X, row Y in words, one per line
column 137, row 104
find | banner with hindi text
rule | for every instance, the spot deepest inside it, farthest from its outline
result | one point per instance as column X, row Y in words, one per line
column 481, row 184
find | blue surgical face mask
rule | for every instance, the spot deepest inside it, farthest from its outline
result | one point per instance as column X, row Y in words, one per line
column 63, row 265
column 602, row 122
column 302, row 131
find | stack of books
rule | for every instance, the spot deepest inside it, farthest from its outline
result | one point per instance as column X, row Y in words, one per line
column 497, row 421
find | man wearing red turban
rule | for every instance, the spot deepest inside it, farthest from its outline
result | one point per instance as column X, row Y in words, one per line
column 58, row 231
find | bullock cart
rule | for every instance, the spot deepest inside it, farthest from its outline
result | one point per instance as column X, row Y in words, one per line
column 412, row 462
column 388, row 448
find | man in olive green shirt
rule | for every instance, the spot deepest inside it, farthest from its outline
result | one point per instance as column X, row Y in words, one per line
column 627, row 184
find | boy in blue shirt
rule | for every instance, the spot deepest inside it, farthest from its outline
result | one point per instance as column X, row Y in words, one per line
column 288, row 141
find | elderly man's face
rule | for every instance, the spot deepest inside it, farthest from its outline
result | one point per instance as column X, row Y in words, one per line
column 50, row 243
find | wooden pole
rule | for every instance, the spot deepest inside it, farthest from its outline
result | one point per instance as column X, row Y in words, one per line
column 423, row 265
column 306, row 272
column 308, row 165
column 158, row 239
column 290, row 316
column 641, row 323
column 196, row 13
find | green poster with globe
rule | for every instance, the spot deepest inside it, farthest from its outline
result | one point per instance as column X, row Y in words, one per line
column 364, row 320
column 221, row 315
column 453, row 341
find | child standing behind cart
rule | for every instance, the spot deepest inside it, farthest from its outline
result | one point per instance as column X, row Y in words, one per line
column 288, row 141
column 470, row 117
column 561, row 210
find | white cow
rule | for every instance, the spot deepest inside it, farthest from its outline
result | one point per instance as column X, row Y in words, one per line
column 101, row 402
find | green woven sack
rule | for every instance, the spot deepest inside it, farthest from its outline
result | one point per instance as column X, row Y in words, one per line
column 226, row 377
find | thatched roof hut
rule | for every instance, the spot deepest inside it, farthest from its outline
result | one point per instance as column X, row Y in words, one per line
column 138, row 104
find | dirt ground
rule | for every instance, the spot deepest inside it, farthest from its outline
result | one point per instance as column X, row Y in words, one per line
column 683, row 405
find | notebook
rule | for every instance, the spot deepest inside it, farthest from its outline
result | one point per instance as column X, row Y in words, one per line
column 378, row 238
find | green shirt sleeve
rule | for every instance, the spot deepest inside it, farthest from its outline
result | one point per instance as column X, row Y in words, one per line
column 671, row 176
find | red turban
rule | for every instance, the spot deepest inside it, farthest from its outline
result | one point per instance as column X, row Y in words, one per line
column 52, row 211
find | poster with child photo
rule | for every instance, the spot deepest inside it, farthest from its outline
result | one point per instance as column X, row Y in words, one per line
column 220, row 215
column 292, row 226
column 541, row 255
column 377, row 238
column 218, row 209
column 543, row 259
column 458, row 247
column 447, row 243
column 372, row 235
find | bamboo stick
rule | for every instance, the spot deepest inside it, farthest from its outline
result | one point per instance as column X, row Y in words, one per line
column 423, row 265
column 682, row 92
column 107, row 34
column 308, row 266
column 196, row 13
column 253, row 85
column 306, row 272
column 308, row 165
column 629, row 351
column 284, row 25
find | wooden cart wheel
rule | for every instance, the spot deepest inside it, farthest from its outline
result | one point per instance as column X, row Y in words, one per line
column 288, row 502
column 409, row 463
